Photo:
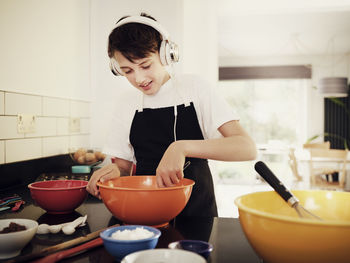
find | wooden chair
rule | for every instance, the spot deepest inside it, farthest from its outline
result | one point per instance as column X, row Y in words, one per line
column 323, row 164
column 294, row 164
column 293, row 161
column 318, row 145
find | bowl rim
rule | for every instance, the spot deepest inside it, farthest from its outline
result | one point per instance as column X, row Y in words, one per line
column 20, row 221
column 191, row 183
column 161, row 251
column 209, row 247
column 330, row 223
column 105, row 235
column 33, row 186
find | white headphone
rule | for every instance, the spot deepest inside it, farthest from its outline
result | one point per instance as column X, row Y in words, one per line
column 168, row 51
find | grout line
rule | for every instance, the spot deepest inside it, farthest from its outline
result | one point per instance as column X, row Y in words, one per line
column 53, row 136
column 70, row 109
column 56, row 126
column 45, row 96
column 4, row 103
column 42, row 106
column 69, row 100
column 46, row 116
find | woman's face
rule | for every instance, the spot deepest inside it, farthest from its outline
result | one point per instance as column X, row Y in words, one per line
column 146, row 74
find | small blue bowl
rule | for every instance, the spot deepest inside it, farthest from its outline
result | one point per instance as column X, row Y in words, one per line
column 200, row 247
column 120, row 248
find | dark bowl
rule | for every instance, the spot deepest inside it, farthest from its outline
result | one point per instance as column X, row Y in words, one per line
column 200, row 247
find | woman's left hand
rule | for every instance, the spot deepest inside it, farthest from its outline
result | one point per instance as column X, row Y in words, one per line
column 170, row 168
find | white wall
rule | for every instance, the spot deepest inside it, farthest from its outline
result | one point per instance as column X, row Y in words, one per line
column 322, row 66
column 200, row 47
column 44, row 47
column 44, row 71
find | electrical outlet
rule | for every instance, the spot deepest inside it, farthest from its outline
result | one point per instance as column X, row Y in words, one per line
column 74, row 124
column 26, row 123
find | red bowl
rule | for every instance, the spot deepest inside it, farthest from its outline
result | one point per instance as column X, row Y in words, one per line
column 137, row 200
column 59, row 196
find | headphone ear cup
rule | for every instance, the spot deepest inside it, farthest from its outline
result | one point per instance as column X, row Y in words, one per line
column 114, row 66
column 173, row 52
column 168, row 53
column 162, row 53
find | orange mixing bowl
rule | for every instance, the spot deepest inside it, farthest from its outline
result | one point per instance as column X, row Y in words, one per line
column 138, row 200
column 278, row 235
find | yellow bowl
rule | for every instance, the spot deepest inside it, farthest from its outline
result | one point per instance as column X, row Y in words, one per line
column 278, row 235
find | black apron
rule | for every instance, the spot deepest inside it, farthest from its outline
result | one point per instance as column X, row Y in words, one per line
column 152, row 131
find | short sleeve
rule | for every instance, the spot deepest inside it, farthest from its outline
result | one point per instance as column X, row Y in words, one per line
column 213, row 110
column 117, row 142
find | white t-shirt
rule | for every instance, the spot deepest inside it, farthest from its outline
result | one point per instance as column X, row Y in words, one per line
column 212, row 111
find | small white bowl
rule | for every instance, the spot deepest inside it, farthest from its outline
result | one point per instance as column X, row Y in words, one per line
column 11, row 244
column 163, row 255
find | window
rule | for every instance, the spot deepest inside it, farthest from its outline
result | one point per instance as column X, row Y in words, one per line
column 273, row 113
column 270, row 109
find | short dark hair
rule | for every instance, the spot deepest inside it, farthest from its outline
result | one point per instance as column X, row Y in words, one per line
column 134, row 40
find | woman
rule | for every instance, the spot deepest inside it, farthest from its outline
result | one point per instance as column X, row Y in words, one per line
column 178, row 119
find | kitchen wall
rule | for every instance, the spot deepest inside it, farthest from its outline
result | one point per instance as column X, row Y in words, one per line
column 200, row 45
column 44, row 72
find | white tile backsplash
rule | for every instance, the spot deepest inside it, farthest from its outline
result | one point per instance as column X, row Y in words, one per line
column 45, row 126
column 8, row 128
column 2, row 152
column 84, row 125
column 21, row 103
column 23, row 149
column 79, row 109
column 2, row 103
column 51, row 136
column 62, row 126
column 77, row 141
column 55, row 107
column 55, row 145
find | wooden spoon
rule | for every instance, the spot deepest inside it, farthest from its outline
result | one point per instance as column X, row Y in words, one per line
column 49, row 250
column 70, row 252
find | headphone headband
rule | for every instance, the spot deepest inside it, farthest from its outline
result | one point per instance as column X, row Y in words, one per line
column 168, row 51
column 146, row 21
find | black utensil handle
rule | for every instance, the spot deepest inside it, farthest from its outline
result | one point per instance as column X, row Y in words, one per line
column 272, row 180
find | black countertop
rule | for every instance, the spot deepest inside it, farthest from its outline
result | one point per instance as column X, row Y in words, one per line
column 226, row 235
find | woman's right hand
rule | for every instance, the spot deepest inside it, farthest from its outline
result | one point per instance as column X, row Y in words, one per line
column 103, row 174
